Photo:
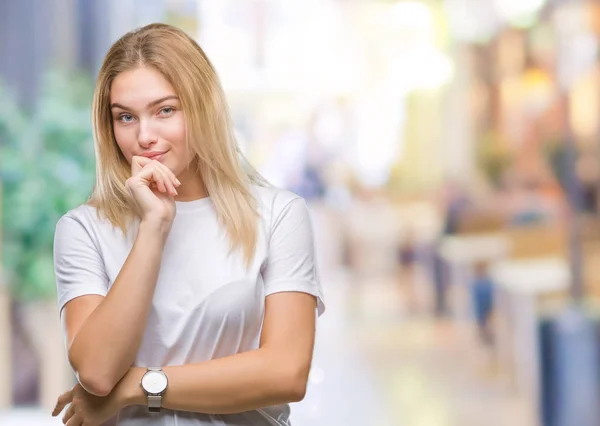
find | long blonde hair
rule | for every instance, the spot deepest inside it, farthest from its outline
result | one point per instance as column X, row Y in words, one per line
column 225, row 172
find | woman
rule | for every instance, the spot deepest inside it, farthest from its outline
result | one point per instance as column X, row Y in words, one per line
column 187, row 288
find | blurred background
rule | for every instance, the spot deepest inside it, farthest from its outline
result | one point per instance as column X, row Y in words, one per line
column 449, row 151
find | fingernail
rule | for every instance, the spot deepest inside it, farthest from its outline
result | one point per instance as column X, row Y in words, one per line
column 177, row 180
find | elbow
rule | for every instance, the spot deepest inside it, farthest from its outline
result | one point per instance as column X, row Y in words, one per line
column 95, row 384
column 298, row 392
column 297, row 383
column 94, row 380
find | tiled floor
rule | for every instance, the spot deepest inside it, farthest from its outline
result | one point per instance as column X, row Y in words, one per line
column 376, row 365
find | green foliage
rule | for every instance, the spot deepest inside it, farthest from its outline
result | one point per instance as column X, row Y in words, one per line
column 46, row 168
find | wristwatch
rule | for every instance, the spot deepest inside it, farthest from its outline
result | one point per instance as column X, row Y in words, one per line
column 154, row 383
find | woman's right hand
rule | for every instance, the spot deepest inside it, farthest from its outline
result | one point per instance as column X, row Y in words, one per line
column 152, row 186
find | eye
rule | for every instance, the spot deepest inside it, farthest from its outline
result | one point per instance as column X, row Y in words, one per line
column 166, row 111
column 125, row 118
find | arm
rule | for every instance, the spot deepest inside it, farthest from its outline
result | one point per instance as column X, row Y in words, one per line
column 276, row 373
column 104, row 333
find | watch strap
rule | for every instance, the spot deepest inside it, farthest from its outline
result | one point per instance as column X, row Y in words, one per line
column 154, row 403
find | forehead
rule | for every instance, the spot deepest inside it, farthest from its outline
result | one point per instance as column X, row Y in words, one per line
column 139, row 86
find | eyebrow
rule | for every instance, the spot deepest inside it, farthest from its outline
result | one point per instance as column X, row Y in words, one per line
column 150, row 105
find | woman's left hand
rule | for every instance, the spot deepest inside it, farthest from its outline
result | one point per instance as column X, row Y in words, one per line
column 86, row 409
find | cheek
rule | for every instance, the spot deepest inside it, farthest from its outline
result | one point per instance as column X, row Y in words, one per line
column 176, row 133
column 125, row 141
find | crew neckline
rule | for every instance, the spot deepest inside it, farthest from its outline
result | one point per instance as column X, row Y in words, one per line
column 193, row 205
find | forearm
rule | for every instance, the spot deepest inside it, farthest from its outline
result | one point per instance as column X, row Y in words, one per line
column 106, row 345
column 241, row 382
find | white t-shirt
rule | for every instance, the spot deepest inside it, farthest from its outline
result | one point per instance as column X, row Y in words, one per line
column 206, row 304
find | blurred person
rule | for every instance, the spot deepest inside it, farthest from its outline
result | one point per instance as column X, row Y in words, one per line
column 186, row 284
column 407, row 251
column 455, row 204
column 482, row 296
column 588, row 174
column 407, row 260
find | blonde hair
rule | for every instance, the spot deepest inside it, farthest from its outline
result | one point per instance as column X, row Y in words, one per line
column 225, row 172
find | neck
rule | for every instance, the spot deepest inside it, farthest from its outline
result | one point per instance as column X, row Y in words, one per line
column 192, row 186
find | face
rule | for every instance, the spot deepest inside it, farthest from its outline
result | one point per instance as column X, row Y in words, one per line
column 148, row 119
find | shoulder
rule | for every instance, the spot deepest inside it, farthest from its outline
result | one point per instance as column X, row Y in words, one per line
column 272, row 202
column 283, row 213
column 83, row 213
column 82, row 218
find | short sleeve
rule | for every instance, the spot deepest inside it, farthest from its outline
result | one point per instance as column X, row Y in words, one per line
column 291, row 265
column 78, row 265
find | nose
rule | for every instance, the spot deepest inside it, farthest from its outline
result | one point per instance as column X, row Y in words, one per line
column 146, row 136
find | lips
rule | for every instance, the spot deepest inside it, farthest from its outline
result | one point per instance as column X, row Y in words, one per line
column 154, row 155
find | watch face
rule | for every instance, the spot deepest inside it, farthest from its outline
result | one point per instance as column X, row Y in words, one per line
column 154, row 382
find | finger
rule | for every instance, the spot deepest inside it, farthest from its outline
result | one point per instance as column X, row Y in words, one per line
column 68, row 414
column 57, row 408
column 75, row 421
column 157, row 176
column 168, row 180
column 161, row 179
column 63, row 400
column 152, row 175
column 172, row 179
column 170, row 173
column 138, row 163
